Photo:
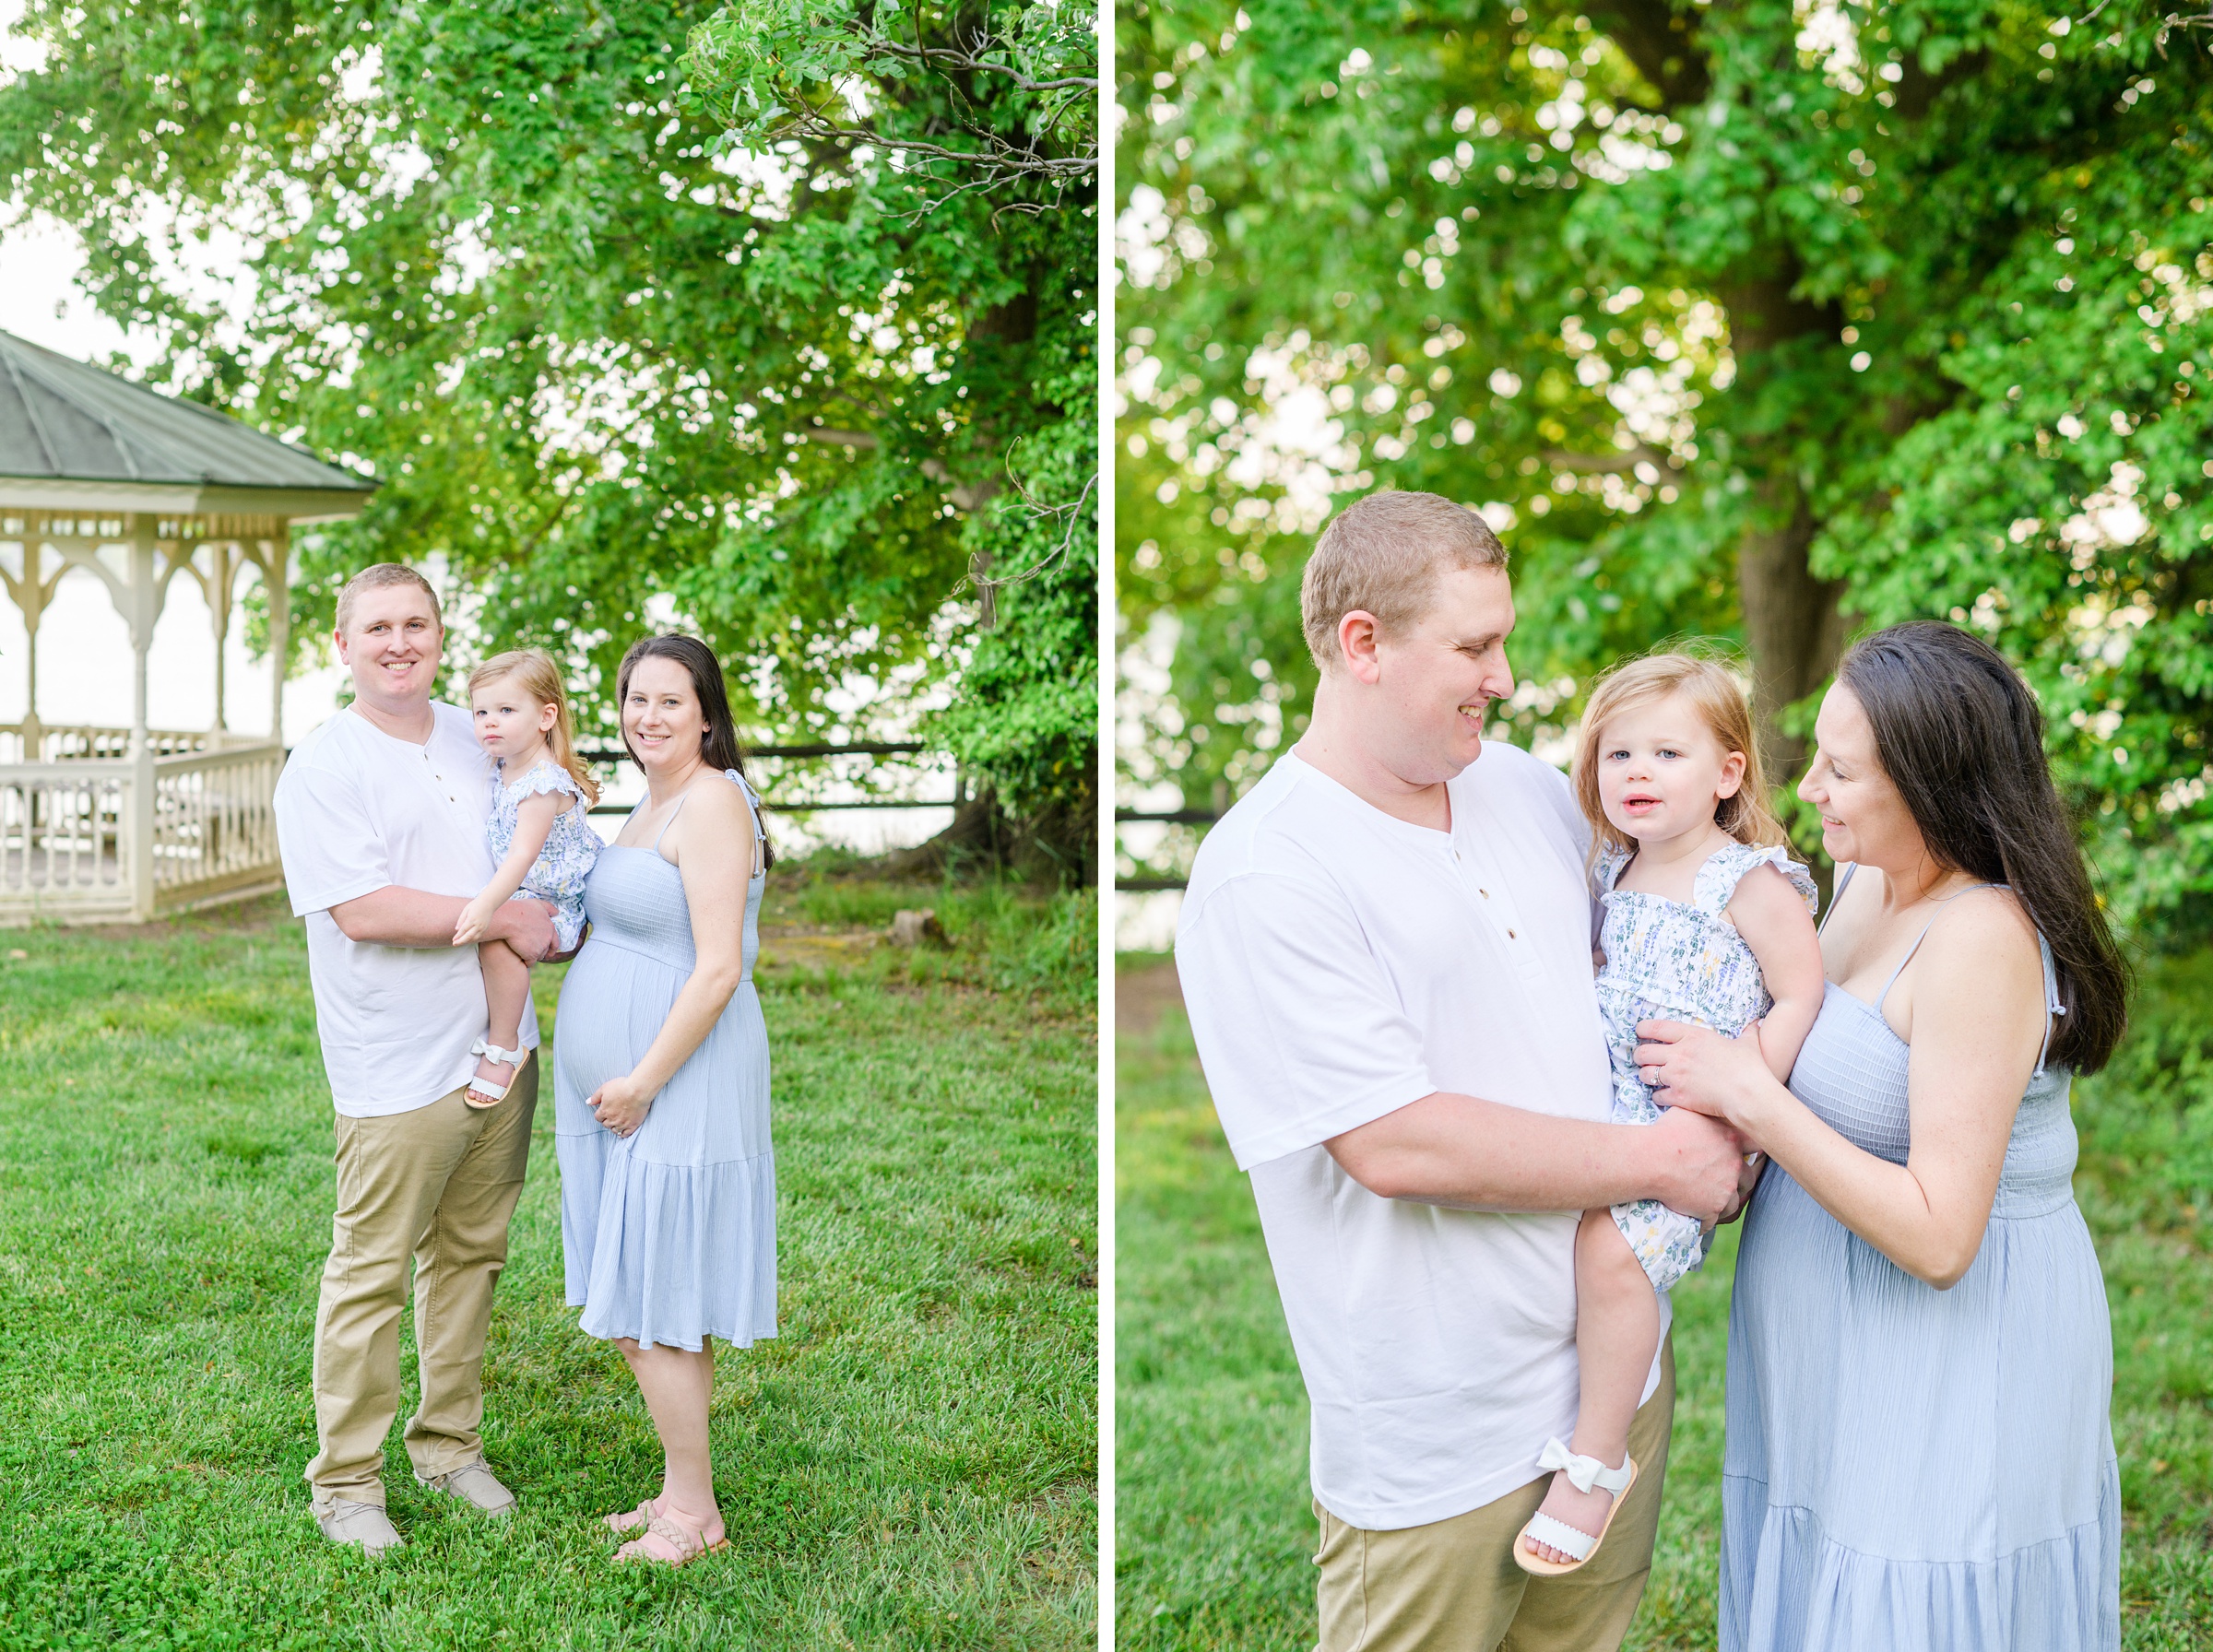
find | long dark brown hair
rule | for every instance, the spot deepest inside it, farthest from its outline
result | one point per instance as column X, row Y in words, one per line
column 718, row 740
column 1960, row 735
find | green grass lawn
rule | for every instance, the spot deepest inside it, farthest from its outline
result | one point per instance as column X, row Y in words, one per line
column 909, row 1464
column 1213, row 1527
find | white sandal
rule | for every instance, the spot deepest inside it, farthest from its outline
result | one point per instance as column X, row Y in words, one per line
column 498, row 1093
column 1584, row 1473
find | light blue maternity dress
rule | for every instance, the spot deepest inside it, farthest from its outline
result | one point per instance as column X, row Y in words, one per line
column 1906, row 1467
column 670, row 1233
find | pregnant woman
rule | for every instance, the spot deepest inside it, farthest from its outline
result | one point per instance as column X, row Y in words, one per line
column 1919, row 1451
column 660, row 1073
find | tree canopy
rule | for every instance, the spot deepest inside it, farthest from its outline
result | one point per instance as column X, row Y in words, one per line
column 1751, row 319
column 620, row 344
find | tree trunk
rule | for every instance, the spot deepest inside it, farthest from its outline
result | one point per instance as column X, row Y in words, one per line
column 1794, row 624
column 980, row 834
column 1056, row 845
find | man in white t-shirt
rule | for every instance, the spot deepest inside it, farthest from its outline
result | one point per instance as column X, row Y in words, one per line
column 1386, row 953
column 380, row 819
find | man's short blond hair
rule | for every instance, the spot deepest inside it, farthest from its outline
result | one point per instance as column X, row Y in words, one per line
column 1381, row 555
column 376, row 577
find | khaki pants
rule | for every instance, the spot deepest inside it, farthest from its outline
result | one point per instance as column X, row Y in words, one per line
column 1452, row 1585
column 439, row 1183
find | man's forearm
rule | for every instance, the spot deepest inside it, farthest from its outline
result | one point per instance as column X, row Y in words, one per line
column 393, row 917
column 1472, row 1154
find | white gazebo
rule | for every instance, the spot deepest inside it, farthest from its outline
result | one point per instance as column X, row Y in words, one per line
column 133, row 487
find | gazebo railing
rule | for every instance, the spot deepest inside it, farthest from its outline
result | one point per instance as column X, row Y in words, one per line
column 215, row 831
column 61, row 743
column 71, row 830
column 62, row 828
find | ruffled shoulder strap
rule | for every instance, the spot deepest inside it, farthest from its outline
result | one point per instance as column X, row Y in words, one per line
column 1727, row 867
column 543, row 777
column 1607, row 871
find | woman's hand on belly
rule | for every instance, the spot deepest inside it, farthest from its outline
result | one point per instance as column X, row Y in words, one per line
column 621, row 1103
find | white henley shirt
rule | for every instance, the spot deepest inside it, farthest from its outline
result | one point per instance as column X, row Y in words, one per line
column 358, row 810
column 1338, row 964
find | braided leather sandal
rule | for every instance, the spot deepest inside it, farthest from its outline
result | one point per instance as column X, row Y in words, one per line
column 632, row 1519
column 671, row 1542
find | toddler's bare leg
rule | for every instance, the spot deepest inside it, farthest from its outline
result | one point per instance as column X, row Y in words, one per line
column 506, row 985
column 1616, row 1330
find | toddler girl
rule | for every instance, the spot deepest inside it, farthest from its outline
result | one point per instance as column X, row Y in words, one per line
column 1707, row 921
column 539, row 834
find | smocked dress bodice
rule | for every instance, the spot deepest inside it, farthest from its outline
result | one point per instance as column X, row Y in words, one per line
column 1851, row 1073
column 635, row 902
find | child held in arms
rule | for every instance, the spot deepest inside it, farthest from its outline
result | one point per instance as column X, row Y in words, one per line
column 539, row 832
column 1707, row 921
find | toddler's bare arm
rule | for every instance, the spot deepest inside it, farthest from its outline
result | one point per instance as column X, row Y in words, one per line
column 1771, row 917
column 532, row 824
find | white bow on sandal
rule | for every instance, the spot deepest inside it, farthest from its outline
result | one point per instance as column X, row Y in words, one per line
column 1584, row 1473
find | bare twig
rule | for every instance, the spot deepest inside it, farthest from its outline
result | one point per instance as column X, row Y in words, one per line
column 1073, row 513
column 1003, row 161
column 931, row 202
column 945, row 56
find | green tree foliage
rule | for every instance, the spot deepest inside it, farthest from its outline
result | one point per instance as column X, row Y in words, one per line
column 610, row 350
column 1758, row 320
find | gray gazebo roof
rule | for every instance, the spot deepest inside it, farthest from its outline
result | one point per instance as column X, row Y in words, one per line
column 73, row 436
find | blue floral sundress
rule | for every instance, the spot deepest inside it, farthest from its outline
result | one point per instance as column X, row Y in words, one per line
column 1676, row 961
column 571, row 848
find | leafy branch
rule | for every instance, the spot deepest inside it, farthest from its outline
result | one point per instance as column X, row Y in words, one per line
column 998, row 103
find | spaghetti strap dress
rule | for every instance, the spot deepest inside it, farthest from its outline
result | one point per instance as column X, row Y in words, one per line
column 1918, row 1470
column 670, row 1233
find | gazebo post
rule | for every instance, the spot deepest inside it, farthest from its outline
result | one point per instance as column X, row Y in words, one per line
column 30, row 594
column 145, row 598
column 223, row 558
column 276, row 585
column 30, row 600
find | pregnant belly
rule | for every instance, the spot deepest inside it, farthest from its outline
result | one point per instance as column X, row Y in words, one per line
column 612, row 1005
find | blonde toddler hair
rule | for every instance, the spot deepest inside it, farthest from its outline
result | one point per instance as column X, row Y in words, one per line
column 1710, row 686
column 536, row 674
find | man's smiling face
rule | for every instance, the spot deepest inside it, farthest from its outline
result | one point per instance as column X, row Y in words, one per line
column 392, row 643
column 1439, row 677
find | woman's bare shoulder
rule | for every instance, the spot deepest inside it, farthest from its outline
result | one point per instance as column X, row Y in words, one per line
column 714, row 816
column 1985, row 917
column 1984, row 936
